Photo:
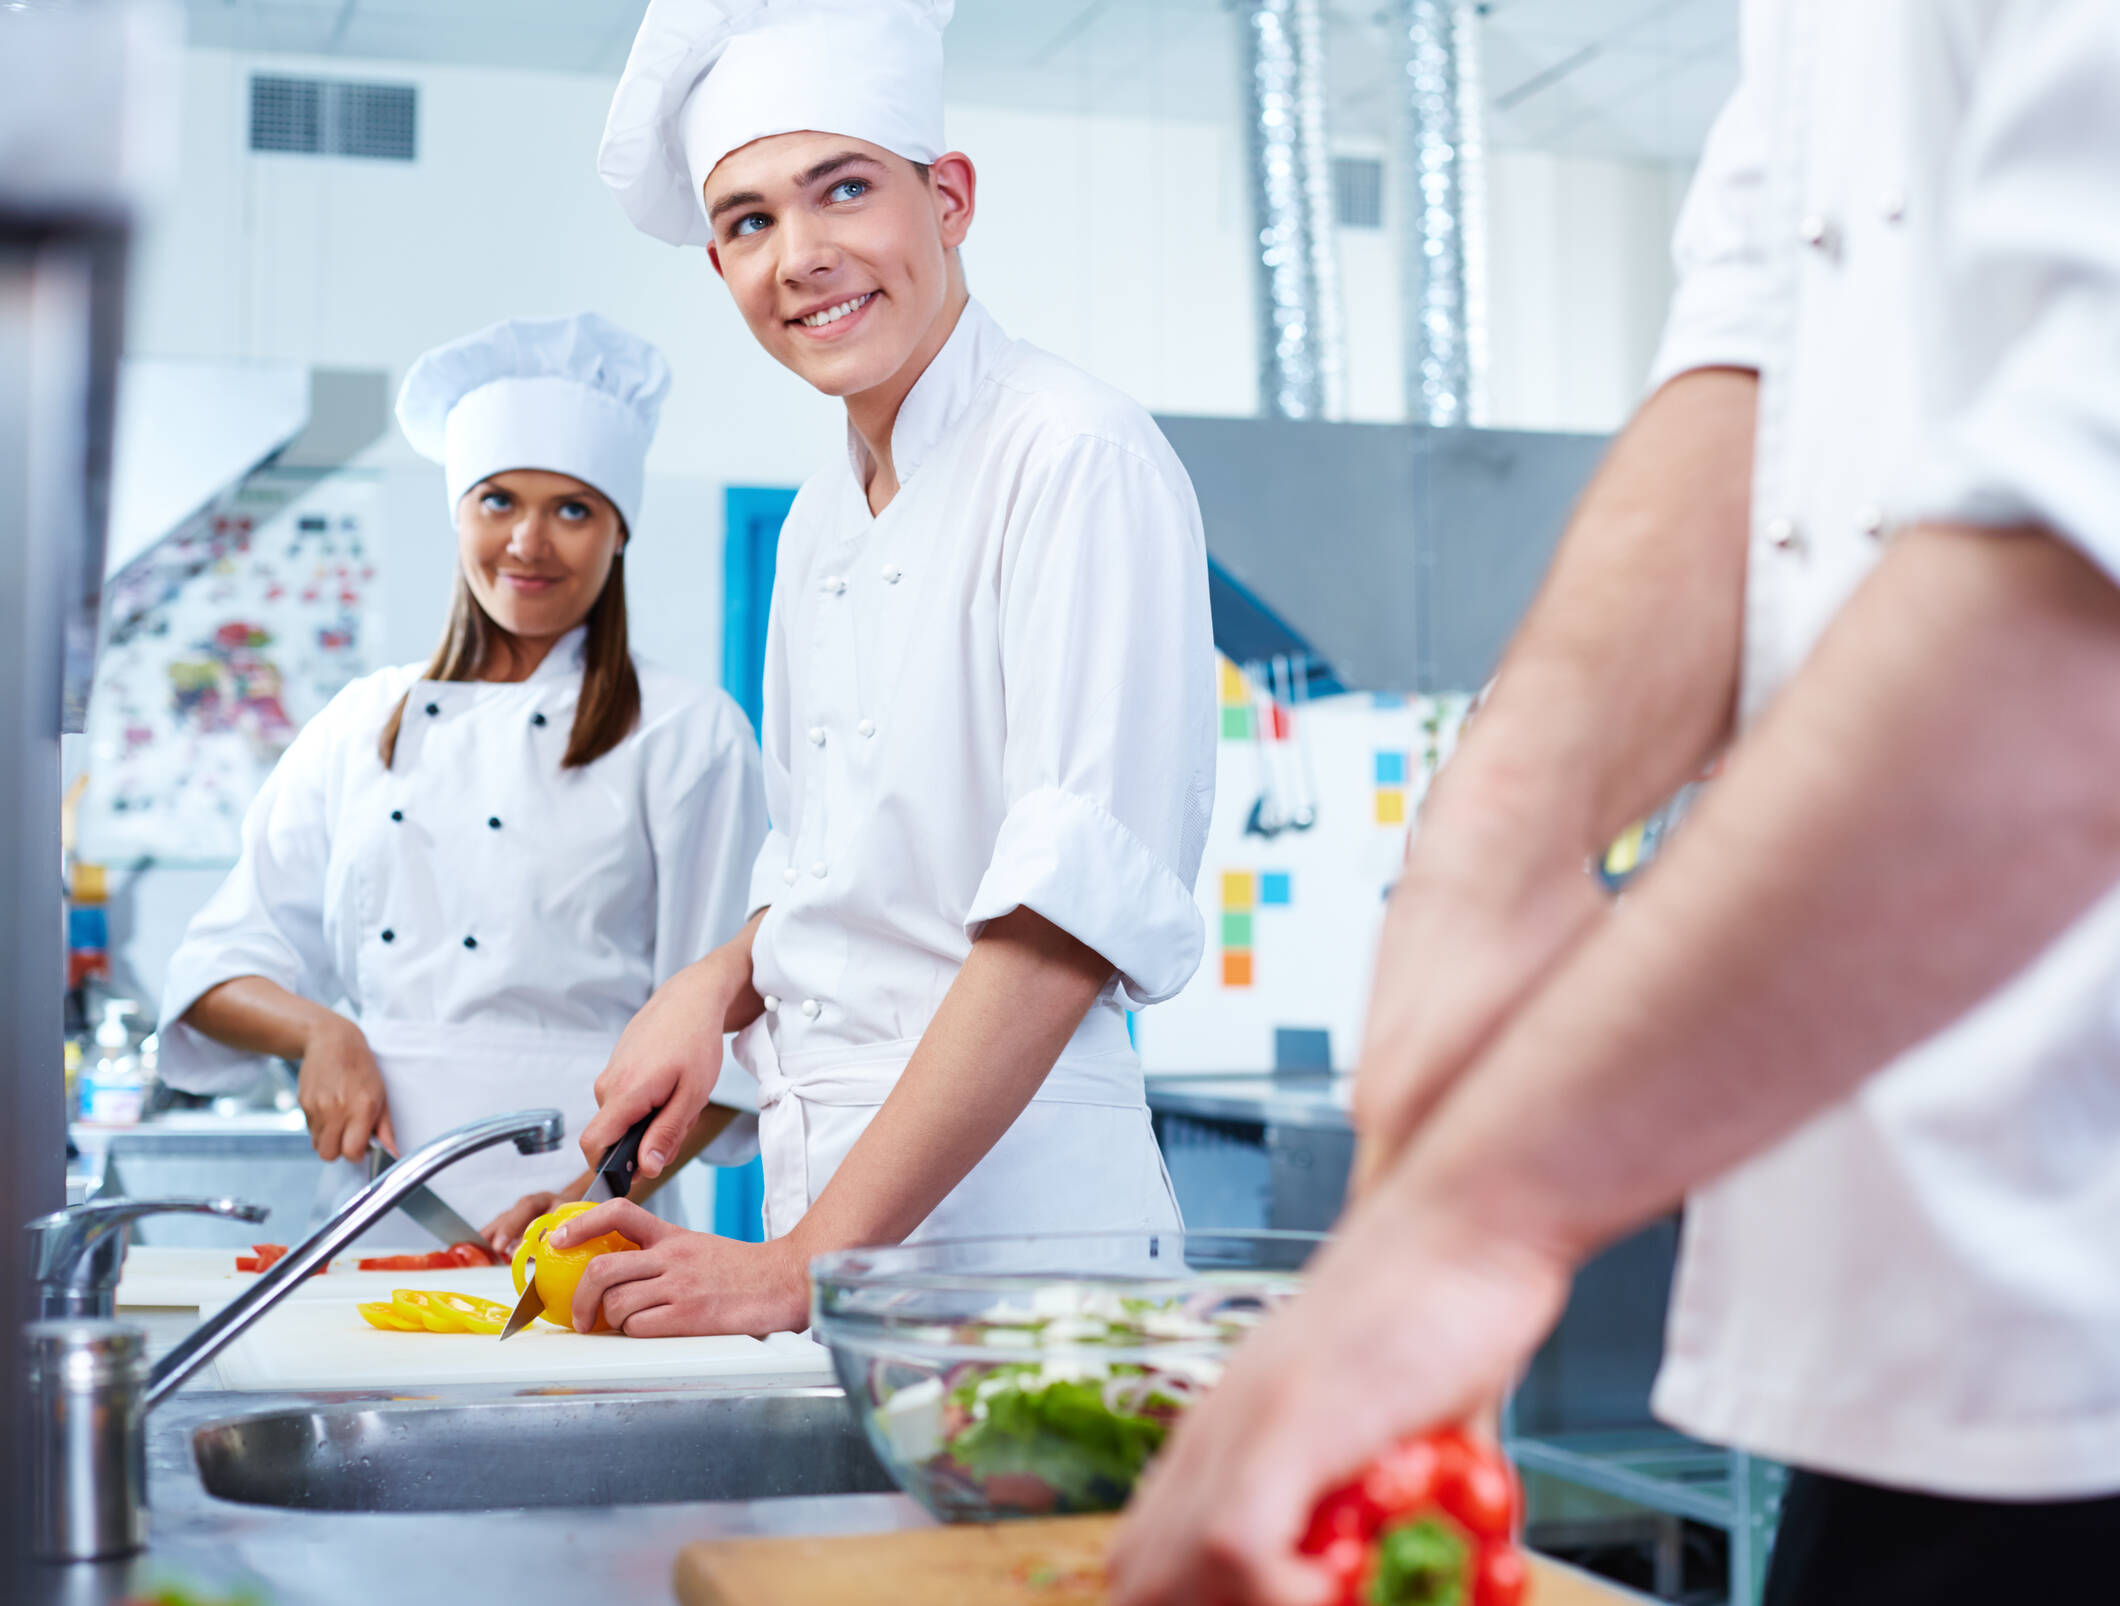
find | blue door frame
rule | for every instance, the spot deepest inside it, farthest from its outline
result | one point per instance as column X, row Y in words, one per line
column 751, row 520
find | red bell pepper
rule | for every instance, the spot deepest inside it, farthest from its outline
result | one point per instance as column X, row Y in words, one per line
column 1430, row 1522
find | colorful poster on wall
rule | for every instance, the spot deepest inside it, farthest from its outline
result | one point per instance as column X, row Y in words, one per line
column 1313, row 804
column 219, row 643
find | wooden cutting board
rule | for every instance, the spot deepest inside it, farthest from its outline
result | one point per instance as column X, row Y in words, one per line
column 1056, row 1561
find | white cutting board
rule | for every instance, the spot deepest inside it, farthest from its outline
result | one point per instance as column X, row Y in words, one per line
column 322, row 1343
column 198, row 1279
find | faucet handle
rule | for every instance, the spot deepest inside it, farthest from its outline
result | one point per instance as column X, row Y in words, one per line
column 76, row 1253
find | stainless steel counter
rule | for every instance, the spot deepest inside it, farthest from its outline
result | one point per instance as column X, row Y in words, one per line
column 552, row 1556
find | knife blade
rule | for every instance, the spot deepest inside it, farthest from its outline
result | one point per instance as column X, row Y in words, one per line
column 529, row 1307
column 620, row 1164
column 423, row 1204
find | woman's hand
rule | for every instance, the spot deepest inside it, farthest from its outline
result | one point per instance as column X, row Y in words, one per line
column 668, row 1059
column 341, row 1090
column 505, row 1231
column 682, row 1283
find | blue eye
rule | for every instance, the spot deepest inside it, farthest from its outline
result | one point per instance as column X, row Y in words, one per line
column 574, row 512
column 848, row 189
column 496, row 502
column 749, row 223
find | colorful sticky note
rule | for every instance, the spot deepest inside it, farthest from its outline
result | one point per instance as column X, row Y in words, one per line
column 1238, row 889
column 1234, row 687
column 1625, row 855
column 1391, row 769
column 1275, row 887
column 1236, row 969
column 1391, row 805
column 1236, row 724
column 1236, row 929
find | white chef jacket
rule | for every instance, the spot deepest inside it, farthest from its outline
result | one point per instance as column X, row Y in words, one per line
column 492, row 919
column 998, row 694
column 1908, row 221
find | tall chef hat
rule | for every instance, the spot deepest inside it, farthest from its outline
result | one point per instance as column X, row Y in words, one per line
column 577, row 396
column 707, row 77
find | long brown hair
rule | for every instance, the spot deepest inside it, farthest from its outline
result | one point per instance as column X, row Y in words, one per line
column 609, row 706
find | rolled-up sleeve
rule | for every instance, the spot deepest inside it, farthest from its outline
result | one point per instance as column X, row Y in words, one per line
column 266, row 919
column 1108, row 760
column 1722, row 309
column 2030, row 428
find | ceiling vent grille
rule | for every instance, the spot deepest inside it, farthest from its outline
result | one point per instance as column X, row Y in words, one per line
column 330, row 117
column 1358, row 192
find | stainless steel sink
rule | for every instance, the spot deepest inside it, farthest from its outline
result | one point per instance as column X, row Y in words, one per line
column 559, row 1449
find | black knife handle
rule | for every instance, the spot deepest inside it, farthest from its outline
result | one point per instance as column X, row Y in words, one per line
column 621, row 1162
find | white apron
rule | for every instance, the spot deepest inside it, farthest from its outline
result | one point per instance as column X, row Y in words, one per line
column 438, row 1077
column 1082, row 1157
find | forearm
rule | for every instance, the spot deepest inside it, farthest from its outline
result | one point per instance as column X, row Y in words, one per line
column 262, row 1017
column 1861, row 875
column 730, row 967
column 1016, row 1002
column 1622, row 678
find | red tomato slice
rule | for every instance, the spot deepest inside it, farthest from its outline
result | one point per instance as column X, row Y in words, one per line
column 249, row 1263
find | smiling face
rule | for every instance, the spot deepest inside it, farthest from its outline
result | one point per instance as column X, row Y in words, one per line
column 841, row 256
column 536, row 549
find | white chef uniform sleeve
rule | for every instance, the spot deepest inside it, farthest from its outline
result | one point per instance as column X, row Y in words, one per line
column 1721, row 311
column 2031, row 281
column 706, row 819
column 1107, row 661
column 266, row 919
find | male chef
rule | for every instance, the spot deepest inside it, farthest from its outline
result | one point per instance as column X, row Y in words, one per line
column 989, row 699
column 1862, row 538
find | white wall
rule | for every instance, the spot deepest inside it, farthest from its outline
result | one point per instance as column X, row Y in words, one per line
column 1120, row 243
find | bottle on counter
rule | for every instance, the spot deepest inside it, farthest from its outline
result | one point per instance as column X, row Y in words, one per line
column 114, row 1084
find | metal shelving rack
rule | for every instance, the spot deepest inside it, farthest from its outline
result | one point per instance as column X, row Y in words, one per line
column 1664, row 1471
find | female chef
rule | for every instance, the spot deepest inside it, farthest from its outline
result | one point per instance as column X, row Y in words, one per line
column 495, row 858
column 989, row 706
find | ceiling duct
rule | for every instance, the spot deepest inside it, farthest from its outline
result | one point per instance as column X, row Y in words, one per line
column 1300, row 327
column 1444, row 254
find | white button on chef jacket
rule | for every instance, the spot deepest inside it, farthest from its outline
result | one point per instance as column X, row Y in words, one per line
column 1037, row 696
column 597, row 885
column 1921, row 1287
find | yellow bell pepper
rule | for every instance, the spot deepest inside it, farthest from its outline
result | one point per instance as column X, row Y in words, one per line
column 559, row 1270
column 381, row 1313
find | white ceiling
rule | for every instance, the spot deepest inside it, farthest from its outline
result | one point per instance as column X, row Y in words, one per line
column 1636, row 78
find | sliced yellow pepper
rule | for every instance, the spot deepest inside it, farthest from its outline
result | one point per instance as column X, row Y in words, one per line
column 478, row 1315
column 381, row 1313
column 418, row 1305
column 437, row 1311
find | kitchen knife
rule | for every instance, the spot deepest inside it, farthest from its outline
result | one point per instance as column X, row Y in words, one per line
column 529, row 1307
column 424, row 1205
column 620, row 1164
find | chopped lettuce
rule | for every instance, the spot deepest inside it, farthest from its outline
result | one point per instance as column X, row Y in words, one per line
column 1059, row 1430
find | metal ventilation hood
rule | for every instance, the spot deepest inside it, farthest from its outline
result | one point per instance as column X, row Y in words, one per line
column 1395, row 557
column 189, row 432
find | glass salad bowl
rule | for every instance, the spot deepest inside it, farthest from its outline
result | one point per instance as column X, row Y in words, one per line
column 1036, row 1376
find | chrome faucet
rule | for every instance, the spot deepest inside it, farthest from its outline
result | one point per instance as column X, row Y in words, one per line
column 76, row 1254
column 90, row 1391
column 531, row 1131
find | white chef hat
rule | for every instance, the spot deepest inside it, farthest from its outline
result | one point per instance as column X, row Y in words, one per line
column 707, row 77
column 577, row 396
